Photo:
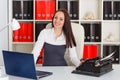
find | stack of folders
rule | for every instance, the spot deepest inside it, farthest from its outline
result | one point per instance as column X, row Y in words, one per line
column 44, row 9
column 24, row 34
column 23, row 9
column 71, row 7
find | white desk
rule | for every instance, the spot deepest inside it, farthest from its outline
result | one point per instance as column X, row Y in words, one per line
column 64, row 73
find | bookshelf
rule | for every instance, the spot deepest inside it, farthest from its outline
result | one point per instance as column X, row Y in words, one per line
column 100, row 19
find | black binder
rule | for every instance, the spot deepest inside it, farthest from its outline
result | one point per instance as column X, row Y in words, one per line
column 116, row 10
column 38, row 28
column 17, row 10
column 27, row 9
column 63, row 4
column 107, row 10
column 110, row 48
column 97, row 32
column 74, row 10
column 87, row 31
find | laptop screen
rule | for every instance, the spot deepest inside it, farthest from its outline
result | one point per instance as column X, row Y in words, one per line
column 19, row 64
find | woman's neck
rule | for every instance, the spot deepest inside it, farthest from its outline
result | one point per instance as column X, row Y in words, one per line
column 58, row 32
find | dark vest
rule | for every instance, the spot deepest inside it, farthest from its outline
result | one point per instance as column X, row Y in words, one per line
column 54, row 55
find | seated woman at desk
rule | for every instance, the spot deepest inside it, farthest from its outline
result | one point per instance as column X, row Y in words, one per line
column 55, row 41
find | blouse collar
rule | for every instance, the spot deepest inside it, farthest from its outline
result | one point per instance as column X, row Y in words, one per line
column 60, row 37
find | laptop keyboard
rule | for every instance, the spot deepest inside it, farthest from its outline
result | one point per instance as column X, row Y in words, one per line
column 41, row 74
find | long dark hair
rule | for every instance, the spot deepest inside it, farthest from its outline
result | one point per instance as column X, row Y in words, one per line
column 67, row 30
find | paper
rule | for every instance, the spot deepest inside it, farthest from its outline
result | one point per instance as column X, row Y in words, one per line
column 4, row 77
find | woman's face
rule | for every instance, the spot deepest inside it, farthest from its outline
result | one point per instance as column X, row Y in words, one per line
column 58, row 20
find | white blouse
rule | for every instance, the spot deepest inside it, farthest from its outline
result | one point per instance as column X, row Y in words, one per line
column 48, row 36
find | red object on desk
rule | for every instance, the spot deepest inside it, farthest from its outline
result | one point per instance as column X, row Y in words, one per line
column 90, row 51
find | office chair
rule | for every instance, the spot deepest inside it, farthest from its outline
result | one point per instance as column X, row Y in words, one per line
column 78, row 32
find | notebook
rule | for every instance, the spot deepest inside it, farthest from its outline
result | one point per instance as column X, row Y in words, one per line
column 22, row 64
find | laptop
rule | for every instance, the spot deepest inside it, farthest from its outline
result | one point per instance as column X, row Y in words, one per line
column 22, row 64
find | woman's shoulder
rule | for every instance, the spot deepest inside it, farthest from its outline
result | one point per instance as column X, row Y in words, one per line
column 46, row 31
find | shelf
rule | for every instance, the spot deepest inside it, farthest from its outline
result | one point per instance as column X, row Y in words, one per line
column 100, row 19
column 111, row 43
column 22, row 42
column 93, row 8
column 108, row 49
column 90, row 21
column 23, row 47
column 111, row 31
column 92, row 43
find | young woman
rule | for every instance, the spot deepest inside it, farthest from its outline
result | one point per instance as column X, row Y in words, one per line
column 55, row 41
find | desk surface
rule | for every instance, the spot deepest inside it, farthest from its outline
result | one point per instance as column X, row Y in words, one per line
column 64, row 73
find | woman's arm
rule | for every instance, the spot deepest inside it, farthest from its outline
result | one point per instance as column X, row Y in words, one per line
column 73, row 56
column 39, row 45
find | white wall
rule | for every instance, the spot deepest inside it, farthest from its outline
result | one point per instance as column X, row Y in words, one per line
column 4, row 33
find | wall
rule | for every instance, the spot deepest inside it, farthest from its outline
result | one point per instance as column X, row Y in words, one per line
column 4, row 33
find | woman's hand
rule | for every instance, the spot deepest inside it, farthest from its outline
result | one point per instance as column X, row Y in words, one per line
column 82, row 61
